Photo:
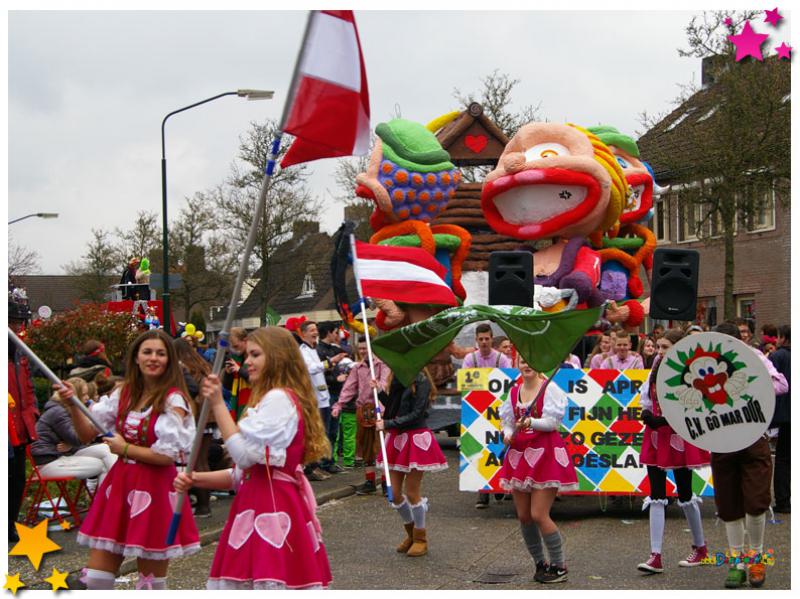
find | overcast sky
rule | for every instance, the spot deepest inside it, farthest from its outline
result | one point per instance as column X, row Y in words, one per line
column 88, row 90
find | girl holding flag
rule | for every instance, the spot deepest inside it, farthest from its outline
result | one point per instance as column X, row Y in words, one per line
column 536, row 466
column 411, row 450
column 272, row 539
column 153, row 428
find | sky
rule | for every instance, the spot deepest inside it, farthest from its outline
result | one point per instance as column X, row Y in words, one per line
column 87, row 92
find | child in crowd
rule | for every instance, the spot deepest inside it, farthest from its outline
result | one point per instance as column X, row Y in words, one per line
column 649, row 352
column 600, row 352
column 272, row 539
column 623, row 358
column 356, row 401
column 536, row 466
column 411, row 450
column 151, row 418
column 662, row 450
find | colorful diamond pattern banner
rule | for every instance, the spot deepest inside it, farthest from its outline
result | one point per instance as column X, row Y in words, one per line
column 602, row 431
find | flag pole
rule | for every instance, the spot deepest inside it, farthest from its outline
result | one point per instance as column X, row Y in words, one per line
column 222, row 343
column 389, row 492
column 56, row 381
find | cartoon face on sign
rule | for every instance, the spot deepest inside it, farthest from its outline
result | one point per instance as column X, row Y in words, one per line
column 715, row 392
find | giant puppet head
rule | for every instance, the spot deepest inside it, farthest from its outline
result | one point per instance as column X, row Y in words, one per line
column 638, row 176
column 553, row 180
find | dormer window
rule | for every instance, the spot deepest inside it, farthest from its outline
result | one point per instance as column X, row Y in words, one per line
column 309, row 289
column 679, row 120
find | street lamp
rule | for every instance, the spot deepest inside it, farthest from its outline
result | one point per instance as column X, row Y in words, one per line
column 39, row 214
column 250, row 94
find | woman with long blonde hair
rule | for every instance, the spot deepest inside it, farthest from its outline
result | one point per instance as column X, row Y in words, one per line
column 152, row 424
column 272, row 539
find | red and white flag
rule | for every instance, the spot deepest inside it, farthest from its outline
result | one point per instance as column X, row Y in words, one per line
column 329, row 113
column 402, row 274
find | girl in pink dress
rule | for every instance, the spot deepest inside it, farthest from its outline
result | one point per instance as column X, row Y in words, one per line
column 662, row 450
column 272, row 539
column 153, row 428
column 411, row 450
column 536, row 466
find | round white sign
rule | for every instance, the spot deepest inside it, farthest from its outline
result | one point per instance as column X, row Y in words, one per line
column 715, row 392
column 45, row 312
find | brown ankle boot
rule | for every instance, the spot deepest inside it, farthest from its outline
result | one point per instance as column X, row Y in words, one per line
column 420, row 546
column 408, row 541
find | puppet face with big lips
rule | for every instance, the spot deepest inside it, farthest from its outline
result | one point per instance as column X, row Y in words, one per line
column 547, row 183
column 641, row 184
column 708, row 376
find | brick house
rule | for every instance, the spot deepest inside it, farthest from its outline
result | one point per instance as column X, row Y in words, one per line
column 762, row 241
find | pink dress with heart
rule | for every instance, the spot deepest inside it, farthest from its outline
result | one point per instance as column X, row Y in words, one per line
column 536, row 459
column 414, row 449
column 132, row 509
column 272, row 539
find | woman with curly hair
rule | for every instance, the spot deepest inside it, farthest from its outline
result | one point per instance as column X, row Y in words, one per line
column 272, row 539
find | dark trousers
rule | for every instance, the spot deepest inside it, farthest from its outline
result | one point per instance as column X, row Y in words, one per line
column 658, row 482
column 783, row 466
column 742, row 481
column 16, row 485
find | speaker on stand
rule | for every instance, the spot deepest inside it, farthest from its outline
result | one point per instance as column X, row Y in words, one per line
column 673, row 292
column 511, row 279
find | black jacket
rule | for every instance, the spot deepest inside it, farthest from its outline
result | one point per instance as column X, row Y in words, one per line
column 326, row 351
column 781, row 358
column 407, row 408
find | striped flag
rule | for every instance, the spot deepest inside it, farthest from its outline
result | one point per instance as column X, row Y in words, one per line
column 329, row 113
column 402, row 274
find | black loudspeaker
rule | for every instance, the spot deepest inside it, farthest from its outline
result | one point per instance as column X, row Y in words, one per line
column 511, row 279
column 673, row 293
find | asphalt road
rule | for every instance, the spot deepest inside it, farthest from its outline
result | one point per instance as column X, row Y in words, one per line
column 483, row 549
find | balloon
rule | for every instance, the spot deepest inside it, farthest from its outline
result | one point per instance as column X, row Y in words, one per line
column 200, row 335
column 190, row 329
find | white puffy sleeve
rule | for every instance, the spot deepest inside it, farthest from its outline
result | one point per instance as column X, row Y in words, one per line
column 174, row 434
column 272, row 423
column 105, row 410
column 507, row 417
column 645, row 401
column 555, row 404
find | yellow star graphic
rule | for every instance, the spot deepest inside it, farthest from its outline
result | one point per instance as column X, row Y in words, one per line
column 65, row 525
column 58, row 580
column 33, row 543
column 13, row 583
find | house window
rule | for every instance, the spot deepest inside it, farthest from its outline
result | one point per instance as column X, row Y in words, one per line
column 707, row 115
column 762, row 217
column 309, row 289
column 707, row 310
column 679, row 120
column 689, row 217
column 662, row 225
column 746, row 307
column 713, row 225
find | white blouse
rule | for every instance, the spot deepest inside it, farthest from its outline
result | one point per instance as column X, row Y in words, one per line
column 555, row 405
column 272, row 423
column 174, row 434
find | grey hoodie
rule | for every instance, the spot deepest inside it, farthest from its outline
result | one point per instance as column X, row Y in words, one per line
column 54, row 426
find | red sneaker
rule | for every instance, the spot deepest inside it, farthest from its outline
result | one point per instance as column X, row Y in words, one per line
column 652, row 565
column 695, row 558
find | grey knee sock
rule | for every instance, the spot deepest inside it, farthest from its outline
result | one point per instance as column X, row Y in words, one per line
column 692, row 512
column 99, row 580
column 554, row 548
column 755, row 531
column 160, row 584
column 657, row 507
column 418, row 513
column 404, row 509
column 533, row 541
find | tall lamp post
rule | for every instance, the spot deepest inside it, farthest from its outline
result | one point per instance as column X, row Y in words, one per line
column 39, row 214
column 250, row 94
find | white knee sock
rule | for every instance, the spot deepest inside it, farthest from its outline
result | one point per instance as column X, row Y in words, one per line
column 160, row 584
column 148, row 582
column 418, row 512
column 755, row 531
column 99, row 580
column 657, row 507
column 404, row 509
column 691, row 510
column 735, row 533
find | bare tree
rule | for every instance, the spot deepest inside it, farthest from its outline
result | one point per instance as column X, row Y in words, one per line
column 21, row 260
column 143, row 239
column 288, row 202
column 96, row 267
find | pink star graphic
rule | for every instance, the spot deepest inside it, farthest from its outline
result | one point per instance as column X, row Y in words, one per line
column 728, row 21
column 773, row 17
column 748, row 43
column 784, row 51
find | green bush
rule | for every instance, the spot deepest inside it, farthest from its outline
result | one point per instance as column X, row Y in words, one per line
column 43, row 389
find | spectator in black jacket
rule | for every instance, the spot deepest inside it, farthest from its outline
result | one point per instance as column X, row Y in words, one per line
column 331, row 356
column 782, row 359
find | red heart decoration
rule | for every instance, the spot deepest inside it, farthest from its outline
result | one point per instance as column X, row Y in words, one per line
column 476, row 143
